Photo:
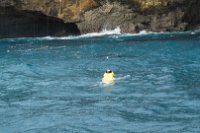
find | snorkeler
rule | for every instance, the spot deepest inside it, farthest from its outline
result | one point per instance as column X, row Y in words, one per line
column 108, row 77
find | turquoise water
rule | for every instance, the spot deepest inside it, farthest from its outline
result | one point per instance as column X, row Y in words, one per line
column 53, row 85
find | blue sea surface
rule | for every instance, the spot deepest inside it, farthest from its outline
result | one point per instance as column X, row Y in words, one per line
column 53, row 85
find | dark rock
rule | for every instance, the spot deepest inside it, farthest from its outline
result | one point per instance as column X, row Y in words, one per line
column 131, row 16
column 32, row 24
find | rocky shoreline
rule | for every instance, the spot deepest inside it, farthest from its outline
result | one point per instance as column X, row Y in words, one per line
column 20, row 18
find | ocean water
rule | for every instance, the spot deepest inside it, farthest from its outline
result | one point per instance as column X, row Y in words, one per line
column 53, row 85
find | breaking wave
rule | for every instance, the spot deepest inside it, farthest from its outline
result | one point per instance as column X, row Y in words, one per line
column 115, row 33
column 105, row 32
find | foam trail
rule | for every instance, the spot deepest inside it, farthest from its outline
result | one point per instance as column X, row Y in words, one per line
column 124, row 77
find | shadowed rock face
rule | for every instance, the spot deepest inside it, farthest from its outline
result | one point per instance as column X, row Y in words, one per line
column 95, row 15
column 15, row 23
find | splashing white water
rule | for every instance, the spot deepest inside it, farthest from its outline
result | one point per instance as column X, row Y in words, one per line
column 115, row 33
column 143, row 32
column 105, row 32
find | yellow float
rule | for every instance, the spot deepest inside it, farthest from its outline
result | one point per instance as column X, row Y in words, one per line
column 108, row 77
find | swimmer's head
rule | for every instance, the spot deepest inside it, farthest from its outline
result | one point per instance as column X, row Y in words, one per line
column 109, row 74
column 108, row 71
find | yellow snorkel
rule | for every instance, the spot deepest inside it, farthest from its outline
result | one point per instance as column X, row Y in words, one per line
column 108, row 77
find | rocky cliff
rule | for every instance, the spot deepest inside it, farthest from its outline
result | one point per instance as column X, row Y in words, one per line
column 64, row 17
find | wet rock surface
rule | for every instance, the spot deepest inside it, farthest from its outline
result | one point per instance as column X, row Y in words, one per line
column 131, row 16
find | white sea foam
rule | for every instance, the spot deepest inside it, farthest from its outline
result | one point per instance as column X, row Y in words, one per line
column 105, row 32
column 143, row 32
column 115, row 33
